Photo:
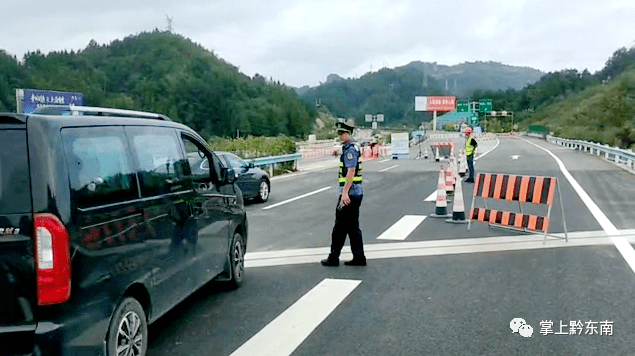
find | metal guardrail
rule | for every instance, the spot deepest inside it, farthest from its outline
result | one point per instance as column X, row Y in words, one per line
column 273, row 160
column 616, row 154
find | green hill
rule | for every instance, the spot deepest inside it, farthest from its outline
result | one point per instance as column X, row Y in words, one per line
column 166, row 73
column 602, row 113
column 599, row 107
column 391, row 91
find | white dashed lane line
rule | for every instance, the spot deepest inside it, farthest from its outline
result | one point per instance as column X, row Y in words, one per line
column 391, row 167
column 286, row 332
column 296, row 198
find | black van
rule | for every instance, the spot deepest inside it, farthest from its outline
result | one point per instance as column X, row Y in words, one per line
column 105, row 226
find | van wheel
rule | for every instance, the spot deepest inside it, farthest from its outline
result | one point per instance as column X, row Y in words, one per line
column 236, row 261
column 263, row 191
column 128, row 331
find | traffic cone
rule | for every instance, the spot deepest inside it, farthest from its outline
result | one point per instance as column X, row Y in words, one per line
column 458, row 208
column 449, row 184
column 436, row 155
column 455, row 172
column 441, row 210
column 462, row 163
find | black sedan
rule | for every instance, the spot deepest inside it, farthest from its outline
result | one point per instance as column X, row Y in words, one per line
column 252, row 181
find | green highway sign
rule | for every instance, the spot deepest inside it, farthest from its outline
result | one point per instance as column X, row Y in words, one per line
column 474, row 119
column 485, row 105
column 462, row 106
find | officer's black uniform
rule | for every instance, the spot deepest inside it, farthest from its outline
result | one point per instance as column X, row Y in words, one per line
column 347, row 217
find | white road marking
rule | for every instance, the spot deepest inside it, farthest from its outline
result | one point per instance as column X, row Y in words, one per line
column 385, row 160
column 436, row 247
column 498, row 142
column 431, row 197
column 402, row 228
column 286, row 332
column 296, row 198
column 625, row 248
column 391, row 167
column 515, row 156
column 290, row 175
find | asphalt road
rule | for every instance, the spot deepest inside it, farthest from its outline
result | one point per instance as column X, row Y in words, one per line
column 440, row 289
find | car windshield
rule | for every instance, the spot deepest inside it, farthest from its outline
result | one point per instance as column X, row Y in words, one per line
column 234, row 161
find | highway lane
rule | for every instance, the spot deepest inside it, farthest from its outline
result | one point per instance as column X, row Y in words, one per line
column 442, row 301
column 400, row 191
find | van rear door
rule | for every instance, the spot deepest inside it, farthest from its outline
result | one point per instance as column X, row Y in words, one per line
column 17, row 264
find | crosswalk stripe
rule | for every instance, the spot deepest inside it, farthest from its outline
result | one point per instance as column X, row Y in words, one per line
column 286, row 332
column 436, row 248
column 402, row 228
column 431, row 197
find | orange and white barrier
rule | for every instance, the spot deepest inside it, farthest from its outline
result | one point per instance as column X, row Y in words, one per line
column 515, row 188
column 384, row 150
column 444, row 135
column 449, row 144
column 367, row 153
column 316, row 150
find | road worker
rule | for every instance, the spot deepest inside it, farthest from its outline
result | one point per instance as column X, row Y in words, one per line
column 470, row 150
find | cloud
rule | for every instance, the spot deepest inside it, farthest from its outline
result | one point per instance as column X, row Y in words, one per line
column 301, row 42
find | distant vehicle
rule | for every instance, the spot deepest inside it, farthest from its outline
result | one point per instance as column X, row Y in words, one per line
column 107, row 222
column 252, row 181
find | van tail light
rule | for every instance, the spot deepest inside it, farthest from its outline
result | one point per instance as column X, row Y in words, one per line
column 52, row 260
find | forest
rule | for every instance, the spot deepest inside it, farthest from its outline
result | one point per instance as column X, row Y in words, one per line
column 166, row 73
column 598, row 107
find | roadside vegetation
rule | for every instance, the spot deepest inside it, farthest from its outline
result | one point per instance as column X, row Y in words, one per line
column 602, row 113
column 254, row 147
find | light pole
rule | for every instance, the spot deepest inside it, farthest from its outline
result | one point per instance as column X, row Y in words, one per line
column 374, row 119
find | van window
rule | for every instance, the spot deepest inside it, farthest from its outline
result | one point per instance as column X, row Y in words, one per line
column 98, row 166
column 15, row 192
column 198, row 159
column 160, row 160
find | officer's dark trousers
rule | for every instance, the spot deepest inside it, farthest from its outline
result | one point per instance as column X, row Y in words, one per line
column 347, row 223
column 470, row 166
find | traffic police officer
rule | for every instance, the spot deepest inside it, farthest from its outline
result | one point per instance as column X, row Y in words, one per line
column 470, row 149
column 351, row 194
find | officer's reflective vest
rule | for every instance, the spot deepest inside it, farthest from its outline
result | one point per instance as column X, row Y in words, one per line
column 357, row 179
column 469, row 149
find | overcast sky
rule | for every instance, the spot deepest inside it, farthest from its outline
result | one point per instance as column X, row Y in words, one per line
column 301, row 42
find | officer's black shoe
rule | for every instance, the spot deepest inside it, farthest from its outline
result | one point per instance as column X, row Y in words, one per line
column 469, row 181
column 356, row 262
column 330, row 262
